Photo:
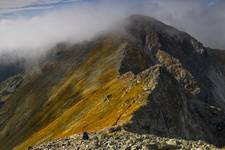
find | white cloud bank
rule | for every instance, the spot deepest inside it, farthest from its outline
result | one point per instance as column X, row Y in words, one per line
column 33, row 36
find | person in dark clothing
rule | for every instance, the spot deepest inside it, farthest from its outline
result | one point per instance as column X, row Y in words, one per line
column 85, row 136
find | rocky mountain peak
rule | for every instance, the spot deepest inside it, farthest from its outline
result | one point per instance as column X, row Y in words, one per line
column 146, row 28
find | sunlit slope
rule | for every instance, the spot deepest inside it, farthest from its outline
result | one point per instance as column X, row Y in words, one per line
column 111, row 104
column 44, row 96
column 94, row 96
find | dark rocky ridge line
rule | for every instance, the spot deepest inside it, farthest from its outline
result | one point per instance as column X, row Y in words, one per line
column 198, row 119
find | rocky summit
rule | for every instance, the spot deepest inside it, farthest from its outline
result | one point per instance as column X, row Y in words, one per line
column 162, row 86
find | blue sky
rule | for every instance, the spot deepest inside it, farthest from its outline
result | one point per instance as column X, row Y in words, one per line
column 212, row 2
column 27, row 8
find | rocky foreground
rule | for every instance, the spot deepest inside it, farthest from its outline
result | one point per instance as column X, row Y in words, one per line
column 114, row 140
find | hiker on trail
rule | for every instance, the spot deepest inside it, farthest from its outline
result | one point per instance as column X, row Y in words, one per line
column 85, row 136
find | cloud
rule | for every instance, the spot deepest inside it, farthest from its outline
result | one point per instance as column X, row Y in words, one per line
column 14, row 4
column 31, row 37
column 203, row 21
column 12, row 9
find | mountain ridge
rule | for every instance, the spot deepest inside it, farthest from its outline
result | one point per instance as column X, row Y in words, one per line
column 118, row 78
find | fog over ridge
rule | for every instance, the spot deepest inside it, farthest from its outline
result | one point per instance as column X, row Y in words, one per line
column 33, row 36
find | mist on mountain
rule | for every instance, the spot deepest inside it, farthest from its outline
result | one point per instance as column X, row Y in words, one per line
column 32, row 37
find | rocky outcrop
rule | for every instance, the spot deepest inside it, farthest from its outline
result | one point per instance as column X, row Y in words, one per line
column 9, row 86
column 188, row 101
column 167, row 112
column 122, row 140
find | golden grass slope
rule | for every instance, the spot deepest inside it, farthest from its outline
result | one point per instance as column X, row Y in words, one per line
column 86, row 96
column 102, row 99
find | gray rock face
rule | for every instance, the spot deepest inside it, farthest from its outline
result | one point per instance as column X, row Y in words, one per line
column 189, row 99
column 9, row 86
